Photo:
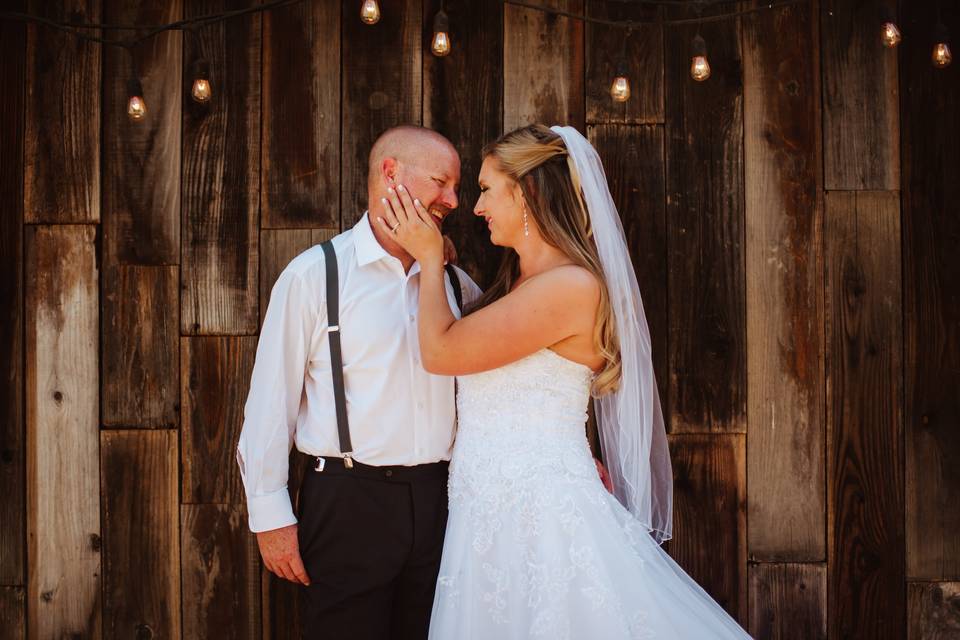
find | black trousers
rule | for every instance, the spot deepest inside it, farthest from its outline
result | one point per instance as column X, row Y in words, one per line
column 371, row 539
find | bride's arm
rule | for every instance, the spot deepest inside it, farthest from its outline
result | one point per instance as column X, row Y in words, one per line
column 547, row 309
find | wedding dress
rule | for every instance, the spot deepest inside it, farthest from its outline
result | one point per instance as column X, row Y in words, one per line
column 535, row 546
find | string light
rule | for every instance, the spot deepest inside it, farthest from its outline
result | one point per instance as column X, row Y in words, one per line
column 440, row 46
column 942, row 57
column 889, row 32
column 370, row 12
column 201, row 90
column 136, row 105
column 699, row 65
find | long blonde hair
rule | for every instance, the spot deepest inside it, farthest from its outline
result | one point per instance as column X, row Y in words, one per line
column 536, row 159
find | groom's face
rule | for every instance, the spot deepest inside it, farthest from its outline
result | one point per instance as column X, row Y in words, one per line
column 434, row 178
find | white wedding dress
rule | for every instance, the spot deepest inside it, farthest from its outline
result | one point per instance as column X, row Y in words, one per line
column 535, row 546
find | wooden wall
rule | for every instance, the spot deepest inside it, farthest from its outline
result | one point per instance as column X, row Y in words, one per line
column 793, row 222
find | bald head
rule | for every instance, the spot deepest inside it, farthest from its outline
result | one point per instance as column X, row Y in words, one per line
column 407, row 144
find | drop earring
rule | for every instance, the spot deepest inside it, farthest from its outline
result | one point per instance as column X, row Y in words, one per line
column 526, row 227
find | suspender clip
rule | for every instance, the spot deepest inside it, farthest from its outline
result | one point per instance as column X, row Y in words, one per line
column 347, row 461
column 321, row 463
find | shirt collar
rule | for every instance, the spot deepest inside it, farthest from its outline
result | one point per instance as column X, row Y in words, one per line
column 368, row 249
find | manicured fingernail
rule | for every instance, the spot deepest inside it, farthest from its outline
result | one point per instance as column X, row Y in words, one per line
column 390, row 189
column 417, row 202
column 400, row 187
column 383, row 200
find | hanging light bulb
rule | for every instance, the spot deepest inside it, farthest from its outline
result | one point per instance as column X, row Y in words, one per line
column 136, row 106
column 441, row 34
column 370, row 12
column 700, row 66
column 889, row 31
column 942, row 57
column 201, row 91
column 620, row 89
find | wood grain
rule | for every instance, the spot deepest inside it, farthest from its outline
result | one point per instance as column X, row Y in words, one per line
column 543, row 66
column 277, row 248
column 784, row 278
column 709, row 515
column 62, row 138
column 141, row 537
column 62, row 383
column 644, row 55
column 381, row 88
column 301, row 116
column 215, row 380
column 13, row 613
column 141, row 160
column 788, row 600
column 470, row 119
column 13, row 488
column 931, row 263
column 705, row 234
column 933, row 610
column 865, row 514
column 860, row 116
column 140, row 334
column 221, row 182
column 634, row 163
column 221, row 573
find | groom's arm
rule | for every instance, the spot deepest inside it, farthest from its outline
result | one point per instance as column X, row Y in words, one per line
column 270, row 421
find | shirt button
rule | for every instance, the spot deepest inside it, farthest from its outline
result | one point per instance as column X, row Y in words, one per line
column 412, row 318
column 389, row 473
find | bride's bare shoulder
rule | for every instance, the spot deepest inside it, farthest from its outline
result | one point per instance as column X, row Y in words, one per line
column 570, row 282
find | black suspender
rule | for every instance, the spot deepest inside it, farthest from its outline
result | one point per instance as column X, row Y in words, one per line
column 336, row 356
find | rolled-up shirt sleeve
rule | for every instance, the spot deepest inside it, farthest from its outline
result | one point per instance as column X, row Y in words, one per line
column 273, row 403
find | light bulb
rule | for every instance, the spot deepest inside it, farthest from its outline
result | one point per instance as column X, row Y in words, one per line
column 700, row 66
column 890, row 35
column 136, row 106
column 370, row 12
column 441, row 35
column 942, row 57
column 201, row 91
column 620, row 89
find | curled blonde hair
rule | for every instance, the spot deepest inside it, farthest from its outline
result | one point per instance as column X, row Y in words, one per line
column 536, row 158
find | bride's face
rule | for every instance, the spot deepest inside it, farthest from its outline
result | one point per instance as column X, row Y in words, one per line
column 500, row 204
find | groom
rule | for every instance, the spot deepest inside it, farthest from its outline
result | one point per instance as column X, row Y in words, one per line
column 368, row 530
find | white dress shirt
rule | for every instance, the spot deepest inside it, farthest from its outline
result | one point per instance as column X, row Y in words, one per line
column 398, row 413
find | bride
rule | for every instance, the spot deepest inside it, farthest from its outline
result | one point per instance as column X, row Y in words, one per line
column 535, row 546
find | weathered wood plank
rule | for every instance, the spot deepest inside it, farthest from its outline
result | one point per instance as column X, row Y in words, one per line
column 301, row 116
column 13, row 613
column 709, row 515
column 221, row 573
column 865, row 537
column 705, row 230
column 381, row 88
column 543, row 66
column 784, row 277
column 933, row 610
column 470, row 119
column 788, row 601
column 860, row 112
column 221, row 181
column 140, row 332
column 62, row 139
column 13, row 39
column 215, row 379
column 62, row 398
column 277, row 248
column 141, row 160
column 141, row 537
column 931, row 262
column 644, row 55
column 634, row 163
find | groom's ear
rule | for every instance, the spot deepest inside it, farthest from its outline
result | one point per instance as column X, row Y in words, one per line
column 388, row 170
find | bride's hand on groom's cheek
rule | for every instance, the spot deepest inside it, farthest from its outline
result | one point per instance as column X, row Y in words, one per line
column 412, row 226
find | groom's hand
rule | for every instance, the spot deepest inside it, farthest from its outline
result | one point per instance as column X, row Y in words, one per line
column 449, row 251
column 604, row 476
column 281, row 554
